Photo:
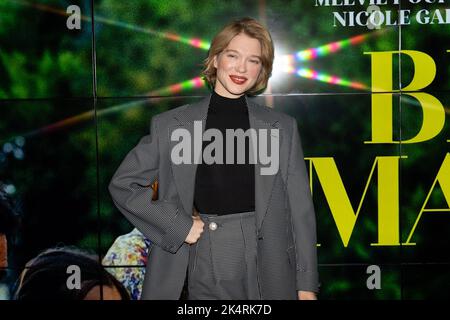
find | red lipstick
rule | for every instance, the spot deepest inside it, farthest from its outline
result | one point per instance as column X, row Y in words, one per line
column 238, row 79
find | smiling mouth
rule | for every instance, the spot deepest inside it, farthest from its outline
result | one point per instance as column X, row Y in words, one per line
column 238, row 80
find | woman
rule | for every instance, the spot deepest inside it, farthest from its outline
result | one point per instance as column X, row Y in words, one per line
column 236, row 228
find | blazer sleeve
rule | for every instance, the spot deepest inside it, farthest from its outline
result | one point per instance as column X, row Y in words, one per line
column 163, row 222
column 302, row 216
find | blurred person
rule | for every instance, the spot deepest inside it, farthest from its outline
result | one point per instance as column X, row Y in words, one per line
column 230, row 230
column 10, row 222
column 45, row 278
column 126, row 260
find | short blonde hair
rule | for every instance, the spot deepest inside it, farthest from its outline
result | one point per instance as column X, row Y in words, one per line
column 253, row 29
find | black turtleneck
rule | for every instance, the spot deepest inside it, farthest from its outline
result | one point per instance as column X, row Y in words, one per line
column 225, row 188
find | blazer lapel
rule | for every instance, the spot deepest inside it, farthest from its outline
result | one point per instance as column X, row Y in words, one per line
column 184, row 174
column 260, row 118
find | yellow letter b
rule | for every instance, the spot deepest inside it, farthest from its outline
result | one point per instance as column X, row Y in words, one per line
column 382, row 86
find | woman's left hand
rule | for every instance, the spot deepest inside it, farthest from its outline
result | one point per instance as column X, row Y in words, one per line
column 306, row 295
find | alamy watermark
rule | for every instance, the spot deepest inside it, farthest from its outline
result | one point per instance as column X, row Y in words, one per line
column 74, row 280
column 374, row 280
column 260, row 141
column 74, row 19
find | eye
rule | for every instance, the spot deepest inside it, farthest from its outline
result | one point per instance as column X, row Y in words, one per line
column 230, row 55
column 254, row 61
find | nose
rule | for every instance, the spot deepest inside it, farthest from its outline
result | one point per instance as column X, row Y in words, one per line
column 241, row 66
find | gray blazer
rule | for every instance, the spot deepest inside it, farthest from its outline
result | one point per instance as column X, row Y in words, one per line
column 285, row 218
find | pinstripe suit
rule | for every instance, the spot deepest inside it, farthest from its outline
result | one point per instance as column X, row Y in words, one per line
column 285, row 218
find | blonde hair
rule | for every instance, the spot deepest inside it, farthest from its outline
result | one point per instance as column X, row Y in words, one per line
column 253, row 29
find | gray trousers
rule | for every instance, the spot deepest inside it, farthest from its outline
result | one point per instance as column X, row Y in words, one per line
column 222, row 263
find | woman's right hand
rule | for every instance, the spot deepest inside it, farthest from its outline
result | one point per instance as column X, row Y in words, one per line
column 196, row 230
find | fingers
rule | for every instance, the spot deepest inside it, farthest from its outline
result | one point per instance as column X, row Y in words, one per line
column 196, row 230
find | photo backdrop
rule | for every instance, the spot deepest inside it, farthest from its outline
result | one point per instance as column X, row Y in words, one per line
column 367, row 81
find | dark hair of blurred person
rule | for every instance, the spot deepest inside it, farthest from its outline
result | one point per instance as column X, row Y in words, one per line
column 45, row 278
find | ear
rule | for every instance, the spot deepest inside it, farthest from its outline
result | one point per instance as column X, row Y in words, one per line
column 215, row 61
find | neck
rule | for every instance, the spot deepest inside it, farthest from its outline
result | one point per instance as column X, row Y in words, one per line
column 224, row 104
column 228, row 97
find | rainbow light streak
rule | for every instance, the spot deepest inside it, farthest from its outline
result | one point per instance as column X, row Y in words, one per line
column 331, row 79
column 313, row 53
column 194, row 42
column 196, row 82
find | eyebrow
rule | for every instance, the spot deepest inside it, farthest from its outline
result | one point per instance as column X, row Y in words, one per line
column 253, row 55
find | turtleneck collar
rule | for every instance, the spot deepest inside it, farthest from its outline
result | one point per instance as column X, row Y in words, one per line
column 220, row 104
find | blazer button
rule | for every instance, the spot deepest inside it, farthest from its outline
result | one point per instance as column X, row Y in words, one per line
column 213, row 226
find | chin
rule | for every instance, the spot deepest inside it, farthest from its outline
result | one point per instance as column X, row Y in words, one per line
column 240, row 90
column 238, row 93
